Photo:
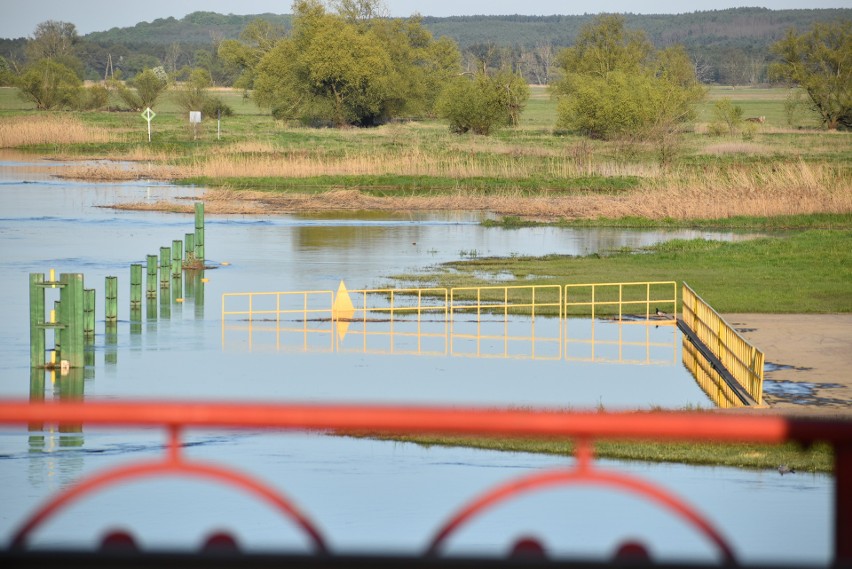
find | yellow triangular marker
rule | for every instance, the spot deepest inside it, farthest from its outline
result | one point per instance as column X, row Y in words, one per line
column 342, row 309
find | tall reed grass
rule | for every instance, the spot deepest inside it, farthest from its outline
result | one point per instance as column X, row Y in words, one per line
column 49, row 129
column 263, row 163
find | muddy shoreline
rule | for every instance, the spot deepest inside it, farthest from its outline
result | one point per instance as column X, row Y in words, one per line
column 808, row 360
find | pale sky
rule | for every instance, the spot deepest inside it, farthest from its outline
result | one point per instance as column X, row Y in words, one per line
column 18, row 18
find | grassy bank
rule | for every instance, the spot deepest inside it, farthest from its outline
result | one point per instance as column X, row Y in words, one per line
column 817, row 458
column 753, row 275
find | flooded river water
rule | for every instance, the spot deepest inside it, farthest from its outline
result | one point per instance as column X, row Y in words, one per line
column 364, row 495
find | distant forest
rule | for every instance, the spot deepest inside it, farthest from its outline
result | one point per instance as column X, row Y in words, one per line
column 730, row 47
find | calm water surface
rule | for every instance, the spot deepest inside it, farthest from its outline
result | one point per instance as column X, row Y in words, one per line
column 362, row 494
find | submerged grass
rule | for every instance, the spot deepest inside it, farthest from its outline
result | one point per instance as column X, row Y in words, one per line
column 750, row 276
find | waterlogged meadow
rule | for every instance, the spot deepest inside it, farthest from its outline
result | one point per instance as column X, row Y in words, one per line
column 255, row 163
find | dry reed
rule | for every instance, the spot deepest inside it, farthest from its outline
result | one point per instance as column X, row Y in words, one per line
column 49, row 129
column 781, row 189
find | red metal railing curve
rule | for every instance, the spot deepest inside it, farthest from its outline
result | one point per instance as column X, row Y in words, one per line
column 579, row 477
column 166, row 468
column 583, row 427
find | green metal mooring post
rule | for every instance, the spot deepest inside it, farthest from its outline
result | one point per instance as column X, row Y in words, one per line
column 36, row 396
column 189, row 250
column 199, row 232
column 165, row 265
column 111, row 344
column 57, row 331
column 111, row 305
column 151, row 281
column 135, row 320
column 71, row 308
column 151, row 309
column 177, row 258
column 89, row 315
column 136, row 286
column 165, row 307
column 36, row 320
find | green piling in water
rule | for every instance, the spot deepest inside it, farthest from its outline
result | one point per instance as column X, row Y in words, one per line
column 111, row 346
column 189, row 251
column 165, row 266
column 37, row 320
column 165, row 307
column 36, row 396
column 71, row 319
column 57, row 332
column 199, row 232
column 111, row 304
column 177, row 290
column 177, row 258
column 136, row 286
column 135, row 320
column 151, row 309
column 151, row 281
column 198, row 295
column 71, row 388
column 89, row 315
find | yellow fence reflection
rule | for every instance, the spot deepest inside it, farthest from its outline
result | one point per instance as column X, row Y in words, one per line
column 742, row 361
column 524, row 322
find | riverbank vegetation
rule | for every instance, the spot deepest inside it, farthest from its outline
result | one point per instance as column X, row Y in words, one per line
column 531, row 172
column 748, row 276
column 816, row 458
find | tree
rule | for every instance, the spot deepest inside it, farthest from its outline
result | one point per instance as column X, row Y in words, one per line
column 483, row 102
column 52, row 40
column 360, row 11
column 728, row 114
column 257, row 39
column 820, row 62
column 193, row 95
column 50, row 85
column 146, row 88
column 149, row 86
column 614, row 84
column 7, row 74
column 350, row 68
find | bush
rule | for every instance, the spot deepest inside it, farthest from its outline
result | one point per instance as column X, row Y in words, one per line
column 213, row 106
column 50, row 85
column 128, row 96
column 93, row 98
column 728, row 114
column 149, row 86
column 615, row 85
column 480, row 104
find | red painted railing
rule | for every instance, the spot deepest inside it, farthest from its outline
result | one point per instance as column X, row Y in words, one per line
column 584, row 428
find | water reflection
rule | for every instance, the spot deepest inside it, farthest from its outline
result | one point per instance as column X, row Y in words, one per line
column 477, row 336
column 708, row 379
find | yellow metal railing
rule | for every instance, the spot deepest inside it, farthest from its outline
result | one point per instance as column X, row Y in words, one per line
column 265, row 305
column 517, row 299
column 642, row 299
column 742, row 360
column 708, row 378
column 264, row 312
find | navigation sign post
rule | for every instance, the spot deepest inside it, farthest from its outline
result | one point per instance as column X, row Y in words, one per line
column 148, row 114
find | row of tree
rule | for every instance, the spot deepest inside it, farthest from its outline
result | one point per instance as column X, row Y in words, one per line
column 729, row 47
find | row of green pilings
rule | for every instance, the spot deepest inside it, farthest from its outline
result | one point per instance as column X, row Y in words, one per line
column 73, row 316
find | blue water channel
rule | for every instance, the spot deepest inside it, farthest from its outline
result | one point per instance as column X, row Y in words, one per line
column 364, row 495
